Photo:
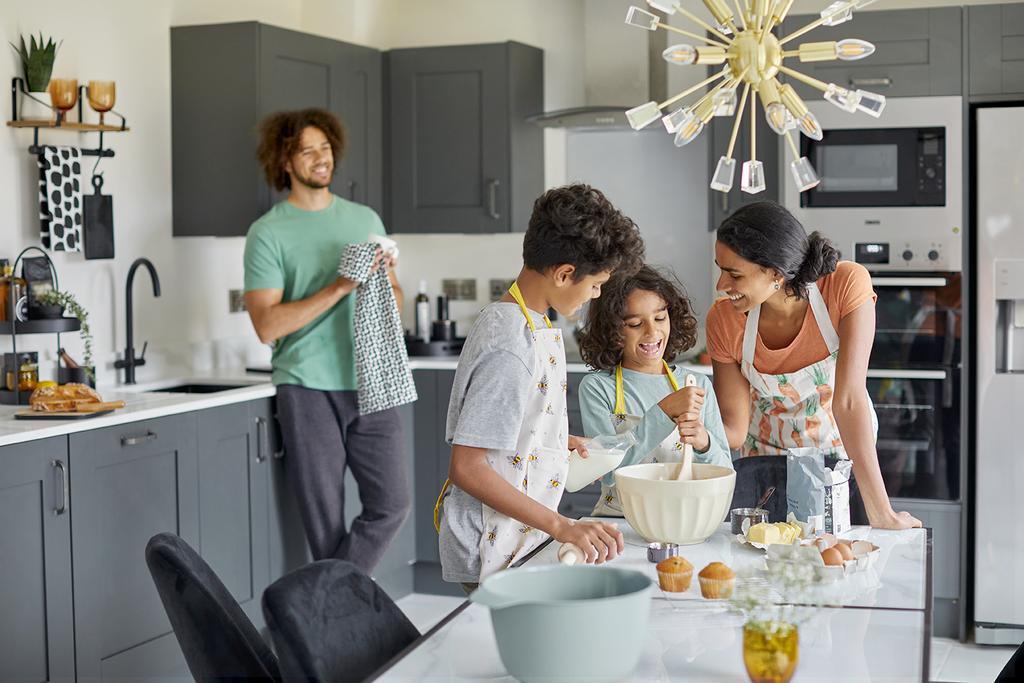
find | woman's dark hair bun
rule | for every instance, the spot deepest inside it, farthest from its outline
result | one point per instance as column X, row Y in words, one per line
column 820, row 259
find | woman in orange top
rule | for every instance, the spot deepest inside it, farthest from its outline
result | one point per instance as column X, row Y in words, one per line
column 790, row 343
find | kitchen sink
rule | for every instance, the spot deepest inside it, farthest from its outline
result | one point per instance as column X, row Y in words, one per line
column 197, row 388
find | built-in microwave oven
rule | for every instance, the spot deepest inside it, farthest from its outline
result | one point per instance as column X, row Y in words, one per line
column 895, row 181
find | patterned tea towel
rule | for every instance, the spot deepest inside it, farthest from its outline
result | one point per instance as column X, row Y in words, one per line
column 60, row 198
column 382, row 364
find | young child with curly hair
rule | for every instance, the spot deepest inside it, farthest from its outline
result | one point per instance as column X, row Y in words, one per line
column 632, row 334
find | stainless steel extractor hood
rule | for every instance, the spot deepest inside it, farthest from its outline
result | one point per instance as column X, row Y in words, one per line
column 621, row 69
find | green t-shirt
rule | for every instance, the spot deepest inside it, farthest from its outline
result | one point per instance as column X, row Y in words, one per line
column 298, row 251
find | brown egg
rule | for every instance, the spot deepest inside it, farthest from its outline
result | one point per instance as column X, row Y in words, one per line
column 844, row 550
column 832, row 557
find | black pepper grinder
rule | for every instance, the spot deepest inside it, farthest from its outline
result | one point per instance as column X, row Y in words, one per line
column 443, row 329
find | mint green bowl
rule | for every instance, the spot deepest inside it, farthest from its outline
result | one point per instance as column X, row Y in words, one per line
column 560, row 622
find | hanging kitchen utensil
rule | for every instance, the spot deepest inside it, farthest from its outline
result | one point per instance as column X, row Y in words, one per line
column 98, row 222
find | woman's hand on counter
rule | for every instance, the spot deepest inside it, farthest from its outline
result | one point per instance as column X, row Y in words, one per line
column 895, row 520
column 599, row 541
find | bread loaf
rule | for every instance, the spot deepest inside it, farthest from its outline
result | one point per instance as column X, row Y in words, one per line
column 63, row 398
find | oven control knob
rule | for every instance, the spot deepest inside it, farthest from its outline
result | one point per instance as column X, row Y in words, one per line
column 908, row 255
column 929, row 172
column 933, row 255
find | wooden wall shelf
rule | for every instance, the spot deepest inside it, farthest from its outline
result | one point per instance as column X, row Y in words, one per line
column 79, row 127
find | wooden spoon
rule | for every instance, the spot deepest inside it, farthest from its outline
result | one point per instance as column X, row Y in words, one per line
column 686, row 470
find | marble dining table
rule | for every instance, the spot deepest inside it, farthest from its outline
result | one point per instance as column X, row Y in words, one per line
column 871, row 625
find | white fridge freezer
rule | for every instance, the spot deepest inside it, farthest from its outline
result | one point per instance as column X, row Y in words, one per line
column 999, row 373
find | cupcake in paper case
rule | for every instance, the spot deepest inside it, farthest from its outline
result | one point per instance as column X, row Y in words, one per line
column 674, row 574
column 716, row 581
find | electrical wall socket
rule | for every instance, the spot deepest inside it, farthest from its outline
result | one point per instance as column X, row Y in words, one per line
column 497, row 288
column 236, row 301
column 459, row 290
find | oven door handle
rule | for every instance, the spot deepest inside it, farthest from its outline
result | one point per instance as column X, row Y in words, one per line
column 909, row 281
column 907, row 374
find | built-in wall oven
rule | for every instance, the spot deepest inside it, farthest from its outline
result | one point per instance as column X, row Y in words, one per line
column 891, row 199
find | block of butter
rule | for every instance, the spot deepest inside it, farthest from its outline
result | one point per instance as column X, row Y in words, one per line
column 764, row 533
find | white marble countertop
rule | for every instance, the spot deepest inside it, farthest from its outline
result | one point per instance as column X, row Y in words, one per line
column 874, row 629
column 700, row 642
column 141, row 404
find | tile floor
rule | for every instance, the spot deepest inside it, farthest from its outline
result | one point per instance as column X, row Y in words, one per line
column 952, row 660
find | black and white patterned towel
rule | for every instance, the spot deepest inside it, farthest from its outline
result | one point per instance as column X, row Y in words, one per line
column 382, row 364
column 60, row 198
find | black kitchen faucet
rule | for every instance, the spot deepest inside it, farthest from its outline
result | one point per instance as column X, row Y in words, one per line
column 130, row 362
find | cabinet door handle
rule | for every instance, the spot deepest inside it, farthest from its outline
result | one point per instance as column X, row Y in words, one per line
column 261, row 438
column 724, row 198
column 352, row 189
column 492, row 199
column 63, row 469
column 279, row 454
column 139, row 439
column 883, row 82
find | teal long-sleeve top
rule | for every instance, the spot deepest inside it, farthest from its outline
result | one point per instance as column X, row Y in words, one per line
column 642, row 391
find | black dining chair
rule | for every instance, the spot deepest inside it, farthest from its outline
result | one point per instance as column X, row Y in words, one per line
column 218, row 640
column 331, row 623
column 1014, row 669
column 755, row 474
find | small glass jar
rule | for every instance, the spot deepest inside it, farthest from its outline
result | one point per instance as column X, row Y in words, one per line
column 28, row 376
column 771, row 650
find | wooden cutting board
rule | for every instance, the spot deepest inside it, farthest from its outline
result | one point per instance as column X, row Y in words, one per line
column 84, row 411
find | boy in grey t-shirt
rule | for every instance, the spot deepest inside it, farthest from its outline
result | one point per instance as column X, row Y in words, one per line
column 574, row 241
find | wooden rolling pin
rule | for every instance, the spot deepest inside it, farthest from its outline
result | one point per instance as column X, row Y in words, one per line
column 97, row 407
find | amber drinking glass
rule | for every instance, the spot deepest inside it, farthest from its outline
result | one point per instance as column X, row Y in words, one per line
column 101, row 97
column 63, row 95
column 770, row 651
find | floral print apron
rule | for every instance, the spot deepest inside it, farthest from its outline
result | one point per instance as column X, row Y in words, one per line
column 669, row 450
column 540, row 461
column 794, row 410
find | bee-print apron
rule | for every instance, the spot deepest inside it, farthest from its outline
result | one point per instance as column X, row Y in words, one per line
column 794, row 409
column 669, row 450
column 540, row 461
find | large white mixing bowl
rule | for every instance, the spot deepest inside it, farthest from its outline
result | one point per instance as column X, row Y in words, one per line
column 665, row 510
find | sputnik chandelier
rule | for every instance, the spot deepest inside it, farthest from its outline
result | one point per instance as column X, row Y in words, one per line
column 753, row 56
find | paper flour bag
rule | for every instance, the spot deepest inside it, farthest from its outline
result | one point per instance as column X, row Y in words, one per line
column 818, row 495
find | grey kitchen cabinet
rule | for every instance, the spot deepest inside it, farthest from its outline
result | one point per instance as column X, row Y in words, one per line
column 722, row 204
column 234, row 491
column 36, row 615
column 995, row 44
column 918, row 52
column 287, row 546
column 129, row 482
column 462, row 157
column 944, row 520
column 224, row 79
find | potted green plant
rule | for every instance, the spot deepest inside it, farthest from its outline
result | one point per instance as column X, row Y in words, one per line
column 37, row 65
column 70, row 304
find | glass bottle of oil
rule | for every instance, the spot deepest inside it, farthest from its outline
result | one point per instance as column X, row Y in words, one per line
column 8, row 281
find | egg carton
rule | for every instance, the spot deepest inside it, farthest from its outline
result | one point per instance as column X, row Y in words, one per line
column 865, row 555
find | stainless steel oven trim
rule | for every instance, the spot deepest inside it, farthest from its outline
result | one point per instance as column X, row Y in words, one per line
column 907, row 374
column 909, row 281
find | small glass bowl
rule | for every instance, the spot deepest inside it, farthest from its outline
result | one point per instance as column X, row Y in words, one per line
column 737, row 515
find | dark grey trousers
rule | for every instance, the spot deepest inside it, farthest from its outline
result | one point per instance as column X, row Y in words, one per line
column 323, row 435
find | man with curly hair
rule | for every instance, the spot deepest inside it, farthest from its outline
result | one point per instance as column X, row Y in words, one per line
column 507, row 419
column 298, row 303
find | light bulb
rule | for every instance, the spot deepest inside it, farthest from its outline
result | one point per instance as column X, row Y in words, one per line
column 804, row 174
column 810, row 127
column 841, row 97
column 725, row 102
column 870, row 103
column 680, row 54
column 690, row 128
column 674, row 120
column 777, row 116
column 852, row 49
column 643, row 115
column 724, row 30
column 837, row 13
column 642, row 19
column 725, row 171
column 752, row 177
column 666, row 6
